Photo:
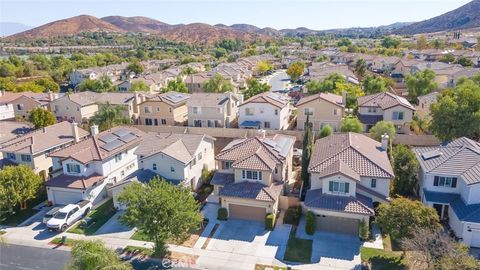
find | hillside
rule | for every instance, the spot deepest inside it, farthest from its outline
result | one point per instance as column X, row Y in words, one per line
column 138, row 24
column 10, row 28
column 466, row 16
column 70, row 26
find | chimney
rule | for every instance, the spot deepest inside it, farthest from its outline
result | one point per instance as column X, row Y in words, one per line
column 385, row 140
column 94, row 130
column 76, row 134
column 262, row 133
column 344, row 98
column 51, row 96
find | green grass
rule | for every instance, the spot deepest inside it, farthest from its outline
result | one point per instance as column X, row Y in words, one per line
column 140, row 250
column 383, row 259
column 100, row 216
column 20, row 216
column 58, row 241
column 268, row 267
column 298, row 250
column 140, row 236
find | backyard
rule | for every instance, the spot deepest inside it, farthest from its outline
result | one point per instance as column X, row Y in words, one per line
column 98, row 216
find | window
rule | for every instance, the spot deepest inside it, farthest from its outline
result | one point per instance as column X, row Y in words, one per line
column 26, row 158
column 266, row 124
column 210, row 123
column 148, row 121
column 441, row 181
column 155, row 122
column 373, row 184
column 164, row 121
column 20, row 107
column 227, row 165
column 219, row 110
column 172, row 169
column 372, row 110
column 200, row 156
column 170, row 109
column 251, row 175
column 148, row 109
column 276, row 170
column 73, row 168
column 339, row 187
column 249, row 111
column 276, row 112
column 262, row 110
column 308, row 111
column 57, row 108
column 11, row 156
column 335, row 111
column 154, row 166
column 197, row 123
column 122, row 173
column 118, row 157
column 195, row 110
column 397, row 116
column 158, row 109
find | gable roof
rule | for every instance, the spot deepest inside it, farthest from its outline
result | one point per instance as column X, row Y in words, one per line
column 351, row 154
column 329, row 97
column 253, row 190
column 356, row 205
column 459, row 157
column 210, row 99
column 171, row 98
column 275, row 99
column 384, row 101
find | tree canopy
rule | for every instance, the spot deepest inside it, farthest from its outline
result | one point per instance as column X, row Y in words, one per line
column 419, row 84
column 381, row 128
column 351, row 124
column 391, row 42
column 177, row 85
column 326, row 130
column 110, row 115
column 263, row 66
column 254, row 87
column 135, row 67
column 40, row 118
column 295, row 70
column 405, row 166
column 139, row 86
column 93, row 255
column 360, row 67
column 218, row 84
column 103, row 84
column 372, row 84
column 337, row 84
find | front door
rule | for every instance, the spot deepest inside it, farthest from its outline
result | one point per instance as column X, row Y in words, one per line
column 445, row 212
column 439, row 209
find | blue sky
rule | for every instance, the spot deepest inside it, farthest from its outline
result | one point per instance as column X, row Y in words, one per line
column 314, row 14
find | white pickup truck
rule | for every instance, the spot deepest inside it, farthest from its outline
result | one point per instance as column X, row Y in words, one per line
column 68, row 215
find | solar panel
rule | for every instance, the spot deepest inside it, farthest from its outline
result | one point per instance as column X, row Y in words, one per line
column 128, row 137
column 431, row 154
column 108, row 138
column 112, row 145
column 121, row 132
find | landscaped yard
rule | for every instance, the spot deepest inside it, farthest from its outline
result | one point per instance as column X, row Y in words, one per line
column 99, row 216
column 298, row 250
column 20, row 216
column 59, row 241
column 382, row 259
column 190, row 242
column 268, row 267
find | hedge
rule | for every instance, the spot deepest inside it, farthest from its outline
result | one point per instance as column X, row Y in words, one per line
column 310, row 225
column 269, row 221
column 222, row 214
column 292, row 215
column 364, row 230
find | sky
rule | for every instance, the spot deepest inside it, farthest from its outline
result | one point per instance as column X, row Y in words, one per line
column 279, row 14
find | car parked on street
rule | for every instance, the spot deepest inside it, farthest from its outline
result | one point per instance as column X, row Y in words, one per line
column 68, row 215
column 50, row 214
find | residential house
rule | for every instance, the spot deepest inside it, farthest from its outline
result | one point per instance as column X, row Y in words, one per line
column 349, row 174
column 267, row 110
column 32, row 148
column 321, row 109
column 27, row 101
column 450, row 182
column 164, row 109
column 443, row 71
column 453, row 78
column 251, row 175
column 83, row 170
column 153, row 86
column 212, row 109
column 384, row 64
column 113, row 72
column 7, row 110
column 321, row 70
column 403, row 68
column 179, row 158
column 10, row 130
column 424, row 103
column 386, row 107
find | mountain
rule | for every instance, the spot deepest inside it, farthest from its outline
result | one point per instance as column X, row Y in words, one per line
column 137, row 24
column 245, row 27
column 10, row 28
column 466, row 16
column 70, row 26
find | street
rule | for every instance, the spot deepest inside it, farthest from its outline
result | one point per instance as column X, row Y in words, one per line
column 14, row 257
column 279, row 80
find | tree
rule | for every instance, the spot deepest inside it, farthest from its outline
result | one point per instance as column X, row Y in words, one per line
column 337, row 84
column 405, row 166
column 17, row 185
column 402, row 217
column 360, row 67
column 8, row 84
column 381, row 128
column 419, row 84
column 220, row 52
column 351, row 124
column 40, row 118
column 263, row 66
column 326, row 130
column 295, row 70
column 462, row 60
column 344, row 42
column 177, row 85
column 254, row 87
column 110, row 115
column 421, row 43
column 139, row 86
column 372, row 84
column 154, row 209
column 457, row 112
column 391, row 42
column 447, row 58
column 307, row 151
column 218, row 84
column 135, row 67
column 103, row 84
column 93, row 255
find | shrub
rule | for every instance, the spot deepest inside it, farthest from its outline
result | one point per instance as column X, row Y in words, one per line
column 269, row 221
column 207, row 189
column 292, row 215
column 310, row 223
column 222, row 214
column 207, row 176
column 364, row 230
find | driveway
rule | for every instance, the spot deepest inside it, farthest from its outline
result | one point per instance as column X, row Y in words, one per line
column 114, row 228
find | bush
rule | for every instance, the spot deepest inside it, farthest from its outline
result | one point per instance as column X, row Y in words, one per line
column 222, row 214
column 310, row 223
column 292, row 215
column 207, row 189
column 269, row 221
column 364, row 230
column 207, row 176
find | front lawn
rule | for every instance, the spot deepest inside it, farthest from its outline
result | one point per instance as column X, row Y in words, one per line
column 20, row 215
column 382, row 259
column 99, row 216
column 298, row 250
column 59, row 241
column 189, row 242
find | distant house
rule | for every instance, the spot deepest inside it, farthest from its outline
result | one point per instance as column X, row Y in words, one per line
column 113, row 72
column 266, row 110
column 386, row 107
column 321, row 71
column 212, row 109
column 164, row 109
column 322, row 109
column 424, row 103
column 450, row 182
column 443, row 71
column 251, row 174
column 28, row 101
column 349, row 173
column 83, row 170
column 7, row 110
column 384, row 64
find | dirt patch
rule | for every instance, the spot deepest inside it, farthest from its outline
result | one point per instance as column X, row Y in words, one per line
column 182, row 258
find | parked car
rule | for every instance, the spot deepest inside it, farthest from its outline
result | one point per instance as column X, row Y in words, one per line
column 50, row 214
column 68, row 215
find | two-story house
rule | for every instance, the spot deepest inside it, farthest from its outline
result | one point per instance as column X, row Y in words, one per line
column 179, row 158
column 386, row 107
column 349, row 172
column 212, row 109
column 164, row 109
column 450, row 183
column 83, row 170
column 250, row 175
column 321, row 109
column 32, row 148
column 27, row 101
column 267, row 110
column 6, row 104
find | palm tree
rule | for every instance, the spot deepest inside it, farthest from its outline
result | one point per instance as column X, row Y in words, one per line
column 109, row 116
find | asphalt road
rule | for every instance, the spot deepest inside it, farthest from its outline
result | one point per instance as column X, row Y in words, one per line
column 278, row 81
column 15, row 257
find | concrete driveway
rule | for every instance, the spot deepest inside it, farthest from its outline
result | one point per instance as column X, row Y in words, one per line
column 114, row 228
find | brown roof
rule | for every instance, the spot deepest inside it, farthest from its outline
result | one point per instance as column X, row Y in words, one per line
column 332, row 98
column 358, row 154
column 103, row 145
column 253, row 190
column 384, row 101
column 275, row 99
column 8, row 97
column 76, row 182
column 348, row 204
column 42, row 139
column 13, row 129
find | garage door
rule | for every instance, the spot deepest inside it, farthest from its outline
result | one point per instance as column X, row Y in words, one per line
column 337, row 224
column 66, row 197
column 475, row 239
column 246, row 212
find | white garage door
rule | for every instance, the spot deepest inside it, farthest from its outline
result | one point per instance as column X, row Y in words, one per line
column 475, row 239
column 66, row 197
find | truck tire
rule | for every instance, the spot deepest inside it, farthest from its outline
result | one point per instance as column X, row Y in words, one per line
column 86, row 212
column 64, row 227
